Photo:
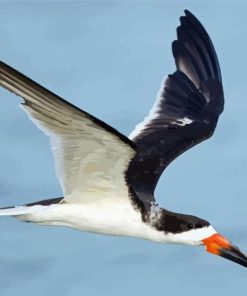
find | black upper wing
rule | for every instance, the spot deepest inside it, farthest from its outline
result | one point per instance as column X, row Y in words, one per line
column 186, row 111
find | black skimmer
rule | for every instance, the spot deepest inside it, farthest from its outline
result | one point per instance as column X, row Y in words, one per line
column 108, row 180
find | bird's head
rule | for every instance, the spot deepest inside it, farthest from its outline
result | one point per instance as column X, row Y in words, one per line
column 191, row 230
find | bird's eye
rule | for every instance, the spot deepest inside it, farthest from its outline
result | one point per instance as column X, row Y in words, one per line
column 190, row 225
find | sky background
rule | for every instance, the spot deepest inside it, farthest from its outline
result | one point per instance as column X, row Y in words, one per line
column 109, row 58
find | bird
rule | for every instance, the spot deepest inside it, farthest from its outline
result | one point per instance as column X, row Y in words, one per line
column 108, row 180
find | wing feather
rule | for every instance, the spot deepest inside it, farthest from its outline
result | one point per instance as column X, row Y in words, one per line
column 186, row 110
column 90, row 156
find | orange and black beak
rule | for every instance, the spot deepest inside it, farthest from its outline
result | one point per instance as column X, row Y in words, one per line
column 219, row 245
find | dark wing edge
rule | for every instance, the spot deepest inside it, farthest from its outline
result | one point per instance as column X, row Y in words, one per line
column 185, row 113
column 18, row 83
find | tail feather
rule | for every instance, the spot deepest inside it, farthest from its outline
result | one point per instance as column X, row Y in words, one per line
column 29, row 208
column 20, row 210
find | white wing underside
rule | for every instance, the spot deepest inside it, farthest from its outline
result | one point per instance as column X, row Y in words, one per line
column 90, row 161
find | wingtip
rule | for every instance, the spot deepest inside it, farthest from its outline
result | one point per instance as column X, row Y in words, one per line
column 187, row 12
column 190, row 16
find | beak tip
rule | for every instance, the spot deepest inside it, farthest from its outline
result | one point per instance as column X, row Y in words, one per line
column 219, row 245
column 234, row 254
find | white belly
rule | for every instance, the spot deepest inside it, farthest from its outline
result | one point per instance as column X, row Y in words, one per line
column 104, row 217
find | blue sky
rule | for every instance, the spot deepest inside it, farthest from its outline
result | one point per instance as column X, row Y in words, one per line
column 109, row 58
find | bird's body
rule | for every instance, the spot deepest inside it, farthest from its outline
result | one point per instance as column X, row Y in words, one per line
column 104, row 217
column 108, row 180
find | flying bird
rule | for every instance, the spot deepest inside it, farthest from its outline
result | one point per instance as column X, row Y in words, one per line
column 108, row 180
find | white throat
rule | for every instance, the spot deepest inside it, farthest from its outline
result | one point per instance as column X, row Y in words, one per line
column 191, row 237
